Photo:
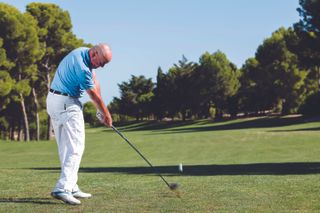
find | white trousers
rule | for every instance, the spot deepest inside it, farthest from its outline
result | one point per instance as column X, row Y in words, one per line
column 68, row 125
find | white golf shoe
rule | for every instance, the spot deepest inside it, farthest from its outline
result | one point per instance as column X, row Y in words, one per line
column 66, row 197
column 80, row 194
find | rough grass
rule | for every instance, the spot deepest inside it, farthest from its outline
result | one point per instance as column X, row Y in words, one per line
column 245, row 165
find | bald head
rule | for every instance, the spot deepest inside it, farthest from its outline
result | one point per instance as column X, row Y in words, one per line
column 100, row 55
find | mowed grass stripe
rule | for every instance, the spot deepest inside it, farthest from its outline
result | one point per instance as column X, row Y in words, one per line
column 244, row 165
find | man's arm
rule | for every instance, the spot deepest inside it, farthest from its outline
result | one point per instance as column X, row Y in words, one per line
column 95, row 96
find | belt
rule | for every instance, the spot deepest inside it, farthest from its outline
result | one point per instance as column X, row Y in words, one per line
column 58, row 93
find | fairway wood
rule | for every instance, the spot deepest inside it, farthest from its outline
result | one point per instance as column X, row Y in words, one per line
column 174, row 186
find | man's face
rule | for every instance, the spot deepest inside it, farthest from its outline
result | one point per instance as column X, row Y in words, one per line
column 99, row 56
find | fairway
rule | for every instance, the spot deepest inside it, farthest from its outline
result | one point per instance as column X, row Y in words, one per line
column 267, row 164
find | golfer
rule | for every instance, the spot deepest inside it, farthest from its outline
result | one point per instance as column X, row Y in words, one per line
column 74, row 76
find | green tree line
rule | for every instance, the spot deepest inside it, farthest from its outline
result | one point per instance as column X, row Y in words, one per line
column 283, row 77
column 31, row 45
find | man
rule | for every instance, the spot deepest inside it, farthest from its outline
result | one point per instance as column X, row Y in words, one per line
column 74, row 76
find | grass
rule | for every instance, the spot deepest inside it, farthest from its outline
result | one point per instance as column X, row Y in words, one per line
column 244, row 165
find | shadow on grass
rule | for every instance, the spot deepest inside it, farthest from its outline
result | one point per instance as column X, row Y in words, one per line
column 265, row 122
column 297, row 130
column 152, row 125
column 292, row 168
column 28, row 200
column 209, row 125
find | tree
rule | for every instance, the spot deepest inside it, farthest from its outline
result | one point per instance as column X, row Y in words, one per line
column 89, row 114
column 164, row 100
column 251, row 98
column 6, row 85
column 159, row 104
column 217, row 81
column 6, row 82
column 136, row 97
column 181, row 94
column 311, row 106
column 307, row 45
column 55, row 35
column 276, row 77
column 310, row 14
column 20, row 41
column 114, row 108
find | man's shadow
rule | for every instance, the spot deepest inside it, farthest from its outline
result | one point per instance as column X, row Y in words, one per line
column 34, row 200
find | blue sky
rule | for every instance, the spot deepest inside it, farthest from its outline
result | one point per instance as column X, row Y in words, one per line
column 146, row 34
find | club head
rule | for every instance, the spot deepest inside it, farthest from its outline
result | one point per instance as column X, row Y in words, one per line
column 174, row 186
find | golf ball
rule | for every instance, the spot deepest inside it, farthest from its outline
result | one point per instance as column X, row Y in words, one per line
column 180, row 167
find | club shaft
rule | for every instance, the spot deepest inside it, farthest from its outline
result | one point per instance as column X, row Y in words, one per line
column 133, row 146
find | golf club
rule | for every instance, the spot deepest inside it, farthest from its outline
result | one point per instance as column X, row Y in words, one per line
column 172, row 186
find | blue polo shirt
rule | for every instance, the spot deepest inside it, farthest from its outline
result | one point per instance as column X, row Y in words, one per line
column 74, row 75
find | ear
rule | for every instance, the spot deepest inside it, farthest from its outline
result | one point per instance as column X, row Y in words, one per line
column 94, row 53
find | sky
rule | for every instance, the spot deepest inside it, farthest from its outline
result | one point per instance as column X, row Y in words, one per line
column 145, row 34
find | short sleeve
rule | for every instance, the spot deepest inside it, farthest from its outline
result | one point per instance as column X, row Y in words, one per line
column 86, row 81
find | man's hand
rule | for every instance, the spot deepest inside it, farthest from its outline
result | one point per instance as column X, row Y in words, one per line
column 101, row 107
column 107, row 120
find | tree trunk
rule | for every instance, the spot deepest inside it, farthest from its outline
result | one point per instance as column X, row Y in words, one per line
column 318, row 69
column 3, row 134
column 19, row 131
column 49, row 125
column 37, row 113
column 12, row 130
column 25, row 119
